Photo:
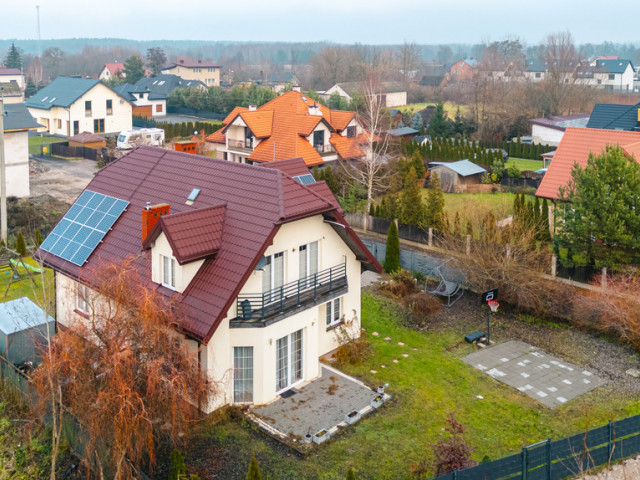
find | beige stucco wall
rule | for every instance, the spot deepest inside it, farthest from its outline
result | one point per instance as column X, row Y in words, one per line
column 209, row 78
column 546, row 136
column 19, row 79
column 16, row 151
column 119, row 120
column 143, row 102
column 217, row 357
column 184, row 273
column 396, row 99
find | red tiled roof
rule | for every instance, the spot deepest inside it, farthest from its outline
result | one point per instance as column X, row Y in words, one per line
column 292, row 166
column 347, row 147
column 192, row 235
column 10, row 71
column 216, row 137
column 575, row 147
column 258, row 200
column 283, row 125
column 114, row 67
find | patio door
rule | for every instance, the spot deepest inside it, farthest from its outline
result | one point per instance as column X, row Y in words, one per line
column 308, row 264
column 273, row 277
column 289, row 364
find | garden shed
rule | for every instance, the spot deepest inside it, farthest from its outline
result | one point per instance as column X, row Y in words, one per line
column 452, row 174
column 23, row 328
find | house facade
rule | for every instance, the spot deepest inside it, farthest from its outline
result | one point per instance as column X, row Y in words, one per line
column 461, row 71
column 613, row 75
column 8, row 75
column 549, row 131
column 17, row 124
column 110, row 70
column 291, row 125
column 391, row 94
column 68, row 106
column 205, row 71
column 264, row 268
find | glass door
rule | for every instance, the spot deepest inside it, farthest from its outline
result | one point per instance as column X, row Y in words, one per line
column 289, row 361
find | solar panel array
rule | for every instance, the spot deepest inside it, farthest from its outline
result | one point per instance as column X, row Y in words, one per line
column 305, row 179
column 84, row 226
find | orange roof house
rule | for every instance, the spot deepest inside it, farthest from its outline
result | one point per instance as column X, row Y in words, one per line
column 291, row 125
column 575, row 147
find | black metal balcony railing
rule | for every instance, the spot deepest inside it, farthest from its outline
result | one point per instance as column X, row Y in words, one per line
column 260, row 306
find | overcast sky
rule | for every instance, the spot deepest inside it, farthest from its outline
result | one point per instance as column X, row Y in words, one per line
column 341, row 21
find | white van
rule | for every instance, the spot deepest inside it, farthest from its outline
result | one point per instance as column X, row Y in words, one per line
column 129, row 139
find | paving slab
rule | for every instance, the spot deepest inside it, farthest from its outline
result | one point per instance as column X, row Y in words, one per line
column 546, row 378
column 320, row 404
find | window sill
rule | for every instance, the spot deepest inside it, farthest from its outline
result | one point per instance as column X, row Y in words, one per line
column 333, row 326
column 82, row 313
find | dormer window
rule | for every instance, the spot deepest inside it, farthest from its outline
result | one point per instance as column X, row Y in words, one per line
column 318, row 140
column 168, row 265
column 351, row 131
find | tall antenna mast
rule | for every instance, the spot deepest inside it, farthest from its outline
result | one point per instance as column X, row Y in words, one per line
column 39, row 44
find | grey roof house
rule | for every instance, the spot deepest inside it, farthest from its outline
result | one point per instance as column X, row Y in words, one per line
column 613, row 116
column 455, row 176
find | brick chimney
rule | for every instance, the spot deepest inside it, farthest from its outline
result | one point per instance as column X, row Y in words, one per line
column 150, row 216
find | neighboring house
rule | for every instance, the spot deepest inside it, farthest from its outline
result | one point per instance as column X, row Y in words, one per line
column 433, row 75
column 575, row 147
column 262, row 267
column 404, row 133
column 291, row 125
column 68, row 106
column 535, row 70
column 17, row 124
column 149, row 95
column 279, row 81
column 612, row 75
column 110, row 70
column 12, row 75
column 549, row 131
column 11, row 92
column 547, row 157
column 391, row 94
column 612, row 116
column 205, row 71
column 452, row 174
column 461, row 71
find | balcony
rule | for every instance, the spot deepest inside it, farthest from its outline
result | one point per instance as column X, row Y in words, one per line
column 262, row 309
column 242, row 145
column 324, row 149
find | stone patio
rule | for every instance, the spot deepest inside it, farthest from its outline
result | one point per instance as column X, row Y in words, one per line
column 543, row 377
column 320, row 404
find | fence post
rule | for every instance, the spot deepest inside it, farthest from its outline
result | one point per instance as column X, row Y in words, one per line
column 548, row 459
column 603, row 278
column 455, row 474
column 610, row 441
column 524, row 463
column 430, row 236
column 468, row 250
column 554, row 265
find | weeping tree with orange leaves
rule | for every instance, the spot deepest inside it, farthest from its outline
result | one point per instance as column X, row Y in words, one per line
column 124, row 372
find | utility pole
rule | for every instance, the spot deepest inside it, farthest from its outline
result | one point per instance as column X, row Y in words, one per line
column 3, row 179
column 39, row 44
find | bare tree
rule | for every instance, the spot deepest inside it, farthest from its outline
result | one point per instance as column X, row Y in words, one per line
column 408, row 59
column 124, row 372
column 561, row 59
column 371, row 170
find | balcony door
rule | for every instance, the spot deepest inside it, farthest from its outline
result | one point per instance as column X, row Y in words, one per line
column 289, row 363
column 308, row 264
column 273, row 277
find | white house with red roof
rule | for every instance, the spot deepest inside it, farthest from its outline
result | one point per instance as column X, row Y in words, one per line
column 110, row 70
column 263, row 265
column 291, row 125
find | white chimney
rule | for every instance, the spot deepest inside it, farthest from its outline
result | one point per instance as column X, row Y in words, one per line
column 252, row 107
column 315, row 110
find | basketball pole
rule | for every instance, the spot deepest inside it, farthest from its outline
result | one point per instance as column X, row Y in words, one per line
column 3, row 179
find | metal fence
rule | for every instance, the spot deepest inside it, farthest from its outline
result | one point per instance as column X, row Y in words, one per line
column 380, row 225
column 64, row 150
column 570, row 456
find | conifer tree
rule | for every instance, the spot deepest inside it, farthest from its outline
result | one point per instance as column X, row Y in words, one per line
column 38, row 238
column 392, row 256
column 13, row 59
column 351, row 475
column 21, row 246
column 536, row 212
column 178, row 469
column 254, row 469
column 545, row 235
column 457, row 227
column 412, row 207
column 435, row 204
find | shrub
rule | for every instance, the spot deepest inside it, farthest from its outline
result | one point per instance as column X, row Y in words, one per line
column 38, row 238
column 454, row 453
column 402, row 284
column 350, row 351
column 254, row 470
column 420, row 306
column 392, row 256
column 178, row 468
column 351, row 475
column 21, row 246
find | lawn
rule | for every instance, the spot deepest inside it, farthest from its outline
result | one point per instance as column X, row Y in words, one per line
column 25, row 288
column 449, row 108
column 426, row 387
column 36, row 143
column 524, row 164
column 473, row 206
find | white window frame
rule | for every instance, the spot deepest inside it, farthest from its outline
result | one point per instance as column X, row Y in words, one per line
column 242, row 363
column 333, row 311
column 269, row 280
column 287, row 343
column 170, row 262
column 82, row 298
column 309, row 263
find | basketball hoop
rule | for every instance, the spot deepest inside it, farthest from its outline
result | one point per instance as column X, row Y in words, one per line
column 493, row 305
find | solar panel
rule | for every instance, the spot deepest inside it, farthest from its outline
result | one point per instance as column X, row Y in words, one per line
column 306, row 179
column 84, row 226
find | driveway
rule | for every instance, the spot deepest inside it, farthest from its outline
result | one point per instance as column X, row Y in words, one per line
column 61, row 178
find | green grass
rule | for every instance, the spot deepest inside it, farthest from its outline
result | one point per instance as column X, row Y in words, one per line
column 473, row 206
column 36, row 143
column 426, row 387
column 524, row 164
column 25, row 288
column 449, row 108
